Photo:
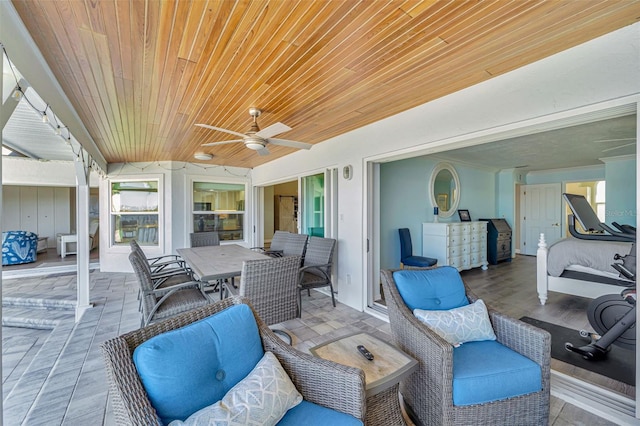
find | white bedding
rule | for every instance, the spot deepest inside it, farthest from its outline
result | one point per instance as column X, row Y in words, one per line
column 592, row 257
column 597, row 255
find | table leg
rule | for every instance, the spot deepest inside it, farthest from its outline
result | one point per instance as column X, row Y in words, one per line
column 383, row 409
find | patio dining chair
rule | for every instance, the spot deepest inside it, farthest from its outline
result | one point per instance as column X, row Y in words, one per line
column 165, row 271
column 162, row 303
column 295, row 245
column 316, row 268
column 278, row 242
column 271, row 286
column 169, row 264
column 202, row 239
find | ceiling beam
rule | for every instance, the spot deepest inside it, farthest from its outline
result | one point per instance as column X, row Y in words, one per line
column 26, row 56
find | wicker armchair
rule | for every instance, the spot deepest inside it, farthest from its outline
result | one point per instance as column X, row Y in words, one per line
column 428, row 394
column 162, row 303
column 316, row 268
column 201, row 239
column 319, row 381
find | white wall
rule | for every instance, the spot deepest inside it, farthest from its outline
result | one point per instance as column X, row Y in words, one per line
column 27, row 171
column 605, row 69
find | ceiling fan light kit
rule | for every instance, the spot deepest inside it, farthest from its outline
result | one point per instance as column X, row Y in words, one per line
column 202, row 156
column 256, row 139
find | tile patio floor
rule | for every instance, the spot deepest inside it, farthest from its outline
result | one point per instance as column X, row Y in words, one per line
column 54, row 375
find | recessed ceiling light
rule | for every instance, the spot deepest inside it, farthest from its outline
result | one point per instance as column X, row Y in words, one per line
column 202, row 156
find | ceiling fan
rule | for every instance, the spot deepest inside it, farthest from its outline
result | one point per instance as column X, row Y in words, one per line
column 257, row 139
column 624, row 145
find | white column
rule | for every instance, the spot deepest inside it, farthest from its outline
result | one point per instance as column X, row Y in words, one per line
column 82, row 230
column 2, row 124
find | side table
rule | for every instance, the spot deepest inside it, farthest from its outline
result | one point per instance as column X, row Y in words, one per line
column 64, row 240
column 43, row 244
column 382, row 375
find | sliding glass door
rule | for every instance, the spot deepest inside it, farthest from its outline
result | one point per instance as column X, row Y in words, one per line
column 313, row 205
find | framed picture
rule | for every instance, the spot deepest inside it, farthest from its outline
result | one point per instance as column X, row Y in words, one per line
column 464, row 215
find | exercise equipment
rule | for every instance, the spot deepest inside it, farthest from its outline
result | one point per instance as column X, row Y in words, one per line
column 613, row 316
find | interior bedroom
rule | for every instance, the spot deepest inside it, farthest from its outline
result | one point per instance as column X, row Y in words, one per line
column 520, row 181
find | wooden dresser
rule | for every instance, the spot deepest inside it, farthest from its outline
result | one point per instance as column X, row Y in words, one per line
column 460, row 244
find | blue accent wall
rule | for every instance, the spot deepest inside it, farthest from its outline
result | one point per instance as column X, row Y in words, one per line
column 405, row 201
column 620, row 204
column 620, row 177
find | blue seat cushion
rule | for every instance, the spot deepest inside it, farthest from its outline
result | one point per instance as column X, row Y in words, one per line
column 192, row 367
column 432, row 289
column 309, row 414
column 489, row 371
column 419, row 261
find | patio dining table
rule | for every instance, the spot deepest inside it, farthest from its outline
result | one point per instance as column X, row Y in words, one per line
column 211, row 263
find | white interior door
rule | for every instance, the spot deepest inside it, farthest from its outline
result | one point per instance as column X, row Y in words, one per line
column 542, row 214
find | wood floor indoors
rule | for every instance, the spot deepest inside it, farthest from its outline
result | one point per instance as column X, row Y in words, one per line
column 53, row 372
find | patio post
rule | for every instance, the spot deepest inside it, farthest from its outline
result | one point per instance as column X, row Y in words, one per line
column 82, row 225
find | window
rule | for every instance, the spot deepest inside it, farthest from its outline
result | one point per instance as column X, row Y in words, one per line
column 219, row 207
column 134, row 212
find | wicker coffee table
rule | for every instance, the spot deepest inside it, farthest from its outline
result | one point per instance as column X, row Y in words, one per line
column 382, row 375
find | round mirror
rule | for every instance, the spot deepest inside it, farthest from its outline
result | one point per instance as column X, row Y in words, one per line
column 444, row 189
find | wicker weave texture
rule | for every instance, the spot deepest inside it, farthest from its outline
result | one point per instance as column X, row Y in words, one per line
column 320, row 381
column 202, row 239
column 429, row 393
column 295, row 245
column 271, row 286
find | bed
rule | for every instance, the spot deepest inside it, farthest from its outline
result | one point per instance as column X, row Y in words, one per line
column 579, row 267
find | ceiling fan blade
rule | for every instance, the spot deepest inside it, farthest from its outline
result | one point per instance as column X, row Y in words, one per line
column 263, row 151
column 618, row 147
column 222, row 142
column 220, row 129
column 290, row 144
column 615, row 140
column 274, row 129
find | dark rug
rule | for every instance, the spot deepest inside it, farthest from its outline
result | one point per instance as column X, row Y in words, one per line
column 619, row 364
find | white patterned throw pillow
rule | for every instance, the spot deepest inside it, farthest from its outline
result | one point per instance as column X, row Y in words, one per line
column 467, row 323
column 261, row 398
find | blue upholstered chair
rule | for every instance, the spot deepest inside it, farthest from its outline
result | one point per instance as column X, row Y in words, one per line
column 476, row 365
column 19, row 247
column 406, row 252
column 217, row 362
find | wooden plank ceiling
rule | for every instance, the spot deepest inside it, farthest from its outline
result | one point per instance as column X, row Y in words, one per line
column 142, row 73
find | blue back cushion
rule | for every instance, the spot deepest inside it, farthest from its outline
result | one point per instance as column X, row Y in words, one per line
column 192, row 367
column 433, row 289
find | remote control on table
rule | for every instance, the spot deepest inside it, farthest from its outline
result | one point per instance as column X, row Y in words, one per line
column 365, row 352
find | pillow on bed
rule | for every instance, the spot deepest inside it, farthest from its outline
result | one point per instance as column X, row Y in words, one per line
column 468, row 323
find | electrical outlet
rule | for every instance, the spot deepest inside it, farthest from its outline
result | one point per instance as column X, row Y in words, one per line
column 348, row 279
